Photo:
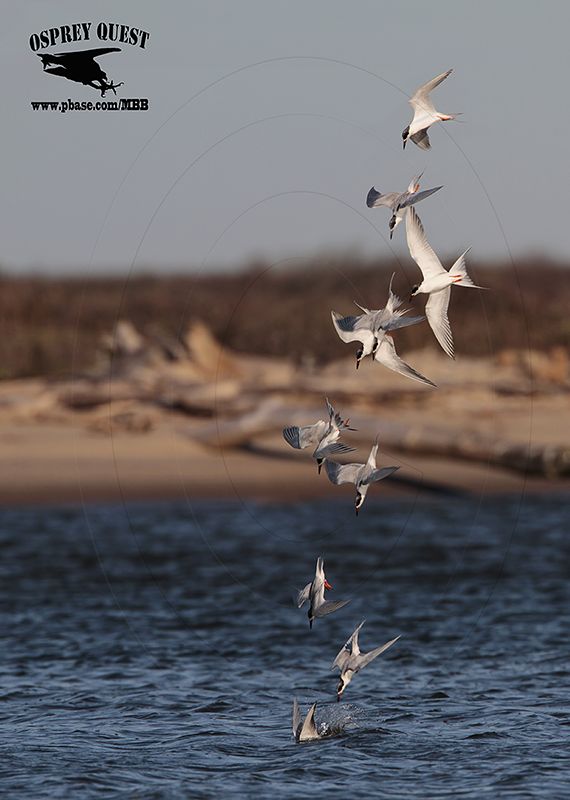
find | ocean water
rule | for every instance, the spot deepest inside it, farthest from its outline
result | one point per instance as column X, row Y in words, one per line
column 153, row 650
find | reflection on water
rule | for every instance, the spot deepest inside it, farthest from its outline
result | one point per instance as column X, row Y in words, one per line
column 155, row 651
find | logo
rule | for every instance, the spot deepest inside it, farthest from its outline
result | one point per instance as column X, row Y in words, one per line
column 83, row 67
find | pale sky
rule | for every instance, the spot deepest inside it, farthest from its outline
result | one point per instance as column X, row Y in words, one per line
column 269, row 122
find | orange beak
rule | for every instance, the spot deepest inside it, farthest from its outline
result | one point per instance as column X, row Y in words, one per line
column 327, row 584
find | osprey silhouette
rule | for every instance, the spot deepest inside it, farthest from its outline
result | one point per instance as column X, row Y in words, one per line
column 80, row 66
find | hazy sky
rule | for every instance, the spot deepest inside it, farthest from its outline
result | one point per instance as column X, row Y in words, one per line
column 259, row 141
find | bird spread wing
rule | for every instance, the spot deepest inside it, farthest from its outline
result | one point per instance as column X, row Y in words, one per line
column 296, row 717
column 354, row 328
column 421, row 139
column 417, row 197
column 436, row 313
column 335, row 448
column 330, row 607
column 309, row 729
column 299, row 438
column 304, row 595
column 349, row 648
column 380, row 474
column 419, row 247
column 421, row 99
column 375, row 199
column 366, row 658
column 85, row 55
column 386, row 355
column 342, row 473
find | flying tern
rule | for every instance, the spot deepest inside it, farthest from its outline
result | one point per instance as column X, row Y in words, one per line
column 350, row 660
column 314, row 592
column 397, row 202
column 424, row 113
column 362, row 475
column 437, row 281
column 373, row 330
column 323, row 436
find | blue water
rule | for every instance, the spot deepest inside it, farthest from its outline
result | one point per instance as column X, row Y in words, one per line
column 153, row 651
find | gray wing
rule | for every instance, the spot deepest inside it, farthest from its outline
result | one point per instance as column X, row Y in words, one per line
column 296, row 717
column 303, row 595
column 421, row 138
column 349, row 648
column 374, row 199
column 342, row 473
column 380, row 474
column 401, row 322
column 299, row 438
column 421, row 98
column 417, row 197
column 354, row 328
column 330, row 607
column 366, row 658
column 386, row 355
column 309, row 729
column 436, row 313
column 336, row 448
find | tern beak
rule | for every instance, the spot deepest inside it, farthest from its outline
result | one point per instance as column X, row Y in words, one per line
column 404, row 147
column 327, row 584
column 319, row 467
column 357, row 363
column 356, row 510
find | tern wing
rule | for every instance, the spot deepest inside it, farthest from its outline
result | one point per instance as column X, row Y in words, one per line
column 350, row 647
column 336, row 448
column 354, row 328
column 436, row 313
column 366, row 658
column 420, row 249
column 421, row 138
column 386, row 355
column 421, row 99
column 380, row 474
column 304, row 595
column 375, row 199
column 309, row 729
column 296, row 717
column 342, row 473
column 417, row 197
column 299, row 438
column 329, row 607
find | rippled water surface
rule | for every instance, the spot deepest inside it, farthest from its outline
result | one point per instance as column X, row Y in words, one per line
column 154, row 651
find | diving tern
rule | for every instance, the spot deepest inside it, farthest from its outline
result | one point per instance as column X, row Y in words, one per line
column 350, row 660
column 397, row 202
column 437, row 281
column 314, row 592
column 323, row 436
column 424, row 113
column 362, row 475
column 373, row 328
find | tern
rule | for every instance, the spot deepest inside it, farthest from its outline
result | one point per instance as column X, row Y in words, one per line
column 424, row 113
column 306, row 731
column 322, row 435
column 437, row 281
column 314, row 592
column 362, row 475
column 373, row 328
column 397, row 202
column 350, row 660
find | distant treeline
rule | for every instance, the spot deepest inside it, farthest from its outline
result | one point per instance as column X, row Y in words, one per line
column 53, row 327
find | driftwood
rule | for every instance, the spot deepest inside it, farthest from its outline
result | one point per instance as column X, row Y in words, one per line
column 429, row 440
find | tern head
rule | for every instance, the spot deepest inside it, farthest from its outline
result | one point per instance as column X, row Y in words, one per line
column 358, row 501
column 405, row 134
column 392, row 225
column 359, row 356
column 375, row 347
column 414, row 290
column 319, row 465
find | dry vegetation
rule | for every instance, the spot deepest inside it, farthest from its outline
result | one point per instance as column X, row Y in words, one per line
column 53, row 327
